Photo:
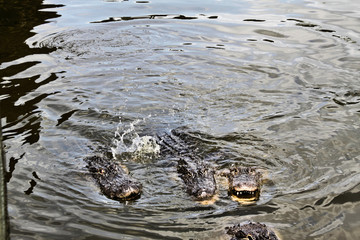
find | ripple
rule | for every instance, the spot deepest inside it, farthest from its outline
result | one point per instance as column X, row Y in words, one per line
column 270, row 33
column 248, row 85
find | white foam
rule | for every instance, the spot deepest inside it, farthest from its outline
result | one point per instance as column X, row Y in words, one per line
column 128, row 142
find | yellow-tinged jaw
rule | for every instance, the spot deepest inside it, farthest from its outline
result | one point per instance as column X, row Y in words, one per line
column 244, row 200
column 209, row 201
column 244, row 194
column 244, row 184
column 131, row 192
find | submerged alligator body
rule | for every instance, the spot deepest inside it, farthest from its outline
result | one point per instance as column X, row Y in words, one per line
column 251, row 231
column 198, row 177
column 198, row 174
column 193, row 167
column 113, row 181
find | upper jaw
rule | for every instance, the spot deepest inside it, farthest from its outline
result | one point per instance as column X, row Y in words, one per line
column 128, row 196
column 245, row 195
column 245, row 188
column 204, row 195
column 131, row 192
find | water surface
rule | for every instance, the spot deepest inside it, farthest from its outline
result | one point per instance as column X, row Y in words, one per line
column 271, row 84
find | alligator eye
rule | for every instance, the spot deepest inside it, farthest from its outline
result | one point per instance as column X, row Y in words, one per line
column 101, row 171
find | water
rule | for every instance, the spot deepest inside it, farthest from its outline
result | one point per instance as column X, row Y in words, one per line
column 271, row 84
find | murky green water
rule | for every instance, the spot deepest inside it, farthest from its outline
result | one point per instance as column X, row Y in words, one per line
column 272, row 84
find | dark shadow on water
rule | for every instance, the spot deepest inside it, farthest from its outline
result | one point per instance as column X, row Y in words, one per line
column 346, row 197
column 316, row 27
column 12, row 163
column 29, row 114
column 31, row 188
column 154, row 16
column 65, row 117
column 245, row 211
column 254, row 20
column 17, row 19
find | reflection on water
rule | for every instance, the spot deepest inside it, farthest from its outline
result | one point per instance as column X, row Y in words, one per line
column 115, row 19
column 252, row 84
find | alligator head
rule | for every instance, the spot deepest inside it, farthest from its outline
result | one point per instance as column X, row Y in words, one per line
column 244, row 183
column 251, row 231
column 198, row 178
column 118, row 186
column 114, row 182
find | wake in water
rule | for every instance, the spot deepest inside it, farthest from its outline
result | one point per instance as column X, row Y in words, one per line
column 130, row 146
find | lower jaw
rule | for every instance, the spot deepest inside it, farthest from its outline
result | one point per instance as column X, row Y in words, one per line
column 244, row 200
column 209, row 201
column 249, row 198
column 129, row 197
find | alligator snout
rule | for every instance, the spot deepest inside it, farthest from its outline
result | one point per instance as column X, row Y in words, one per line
column 128, row 191
column 204, row 193
column 119, row 186
column 198, row 178
column 244, row 183
column 114, row 182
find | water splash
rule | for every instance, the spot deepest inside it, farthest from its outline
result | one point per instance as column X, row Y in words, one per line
column 130, row 146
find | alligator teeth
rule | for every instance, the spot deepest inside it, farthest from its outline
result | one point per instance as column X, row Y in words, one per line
column 238, row 193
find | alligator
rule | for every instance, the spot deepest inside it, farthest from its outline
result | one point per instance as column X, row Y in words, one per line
column 199, row 178
column 244, row 183
column 194, row 169
column 113, row 180
column 251, row 231
column 198, row 174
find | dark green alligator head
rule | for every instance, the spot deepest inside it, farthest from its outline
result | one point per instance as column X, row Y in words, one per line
column 114, row 182
column 198, row 178
column 251, row 231
column 244, row 183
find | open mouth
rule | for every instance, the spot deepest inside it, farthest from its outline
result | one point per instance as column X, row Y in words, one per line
column 245, row 195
